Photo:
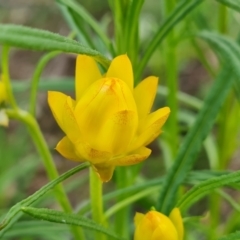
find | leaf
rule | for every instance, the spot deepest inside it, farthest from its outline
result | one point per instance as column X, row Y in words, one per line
column 46, row 84
column 178, row 14
column 15, row 212
column 41, row 40
column 228, row 51
column 86, row 17
column 234, row 4
column 37, row 230
column 73, row 23
column 140, row 190
column 193, row 141
column 199, row 190
column 67, row 218
column 129, row 200
column 232, row 236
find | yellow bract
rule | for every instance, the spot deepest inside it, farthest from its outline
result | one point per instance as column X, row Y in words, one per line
column 3, row 98
column 3, row 94
column 156, row 226
column 110, row 122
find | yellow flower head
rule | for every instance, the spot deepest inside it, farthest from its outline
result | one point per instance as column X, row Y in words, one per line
column 109, row 124
column 3, row 94
column 156, row 226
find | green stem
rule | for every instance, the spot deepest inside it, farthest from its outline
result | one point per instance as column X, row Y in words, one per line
column 132, row 32
column 223, row 18
column 96, row 201
column 36, row 76
column 215, row 199
column 172, row 84
column 118, row 26
column 6, row 77
column 232, row 223
column 122, row 216
column 43, row 150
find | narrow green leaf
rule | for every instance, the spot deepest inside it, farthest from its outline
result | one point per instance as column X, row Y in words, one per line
column 129, row 200
column 232, row 236
column 234, row 4
column 41, row 40
column 15, row 212
column 45, row 84
column 192, row 178
column 205, row 187
column 229, row 199
column 67, row 218
column 36, row 78
column 193, row 141
column 85, row 16
column 180, row 11
column 132, row 29
column 37, row 230
column 70, row 18
column 229, row 50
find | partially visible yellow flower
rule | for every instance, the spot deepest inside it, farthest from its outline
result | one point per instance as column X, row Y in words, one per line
column 3, row 93
column 109, row 124
column 4, row 121
column 156, row 226
column 3, row 98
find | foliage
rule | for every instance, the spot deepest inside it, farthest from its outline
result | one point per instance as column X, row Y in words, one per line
column 191, row 161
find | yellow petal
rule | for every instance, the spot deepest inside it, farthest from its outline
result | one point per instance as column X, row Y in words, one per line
column 4, row 121
column 91, row 154
column 176, row 218
column 104, row 171
column 118, row 131
column 135, row 157
column 103, row 99
column 150, row 128
column 162, row 225
column 144, row 230
column 144, row 95
column 3, row 93
column 86, row 73
column 56, row 101
column 138, row 218
column 121, row 68
column 69, row 122
column 67, row 150
column 165, row 232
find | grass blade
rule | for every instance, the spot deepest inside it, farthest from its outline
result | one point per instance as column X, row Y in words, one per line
column 67, row 218
column 41, row 40
column 234, row 4
column 228, row 52
column 15, row 211
column 233, row 236
column 200, row 190
column 193, row 141
column 85, row 16
column 181, row 10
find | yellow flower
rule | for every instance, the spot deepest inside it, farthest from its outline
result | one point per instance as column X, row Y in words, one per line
column 3, row 97
column 156, row 226
column 4, row 121
column 3, row 94
column 109, row 124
